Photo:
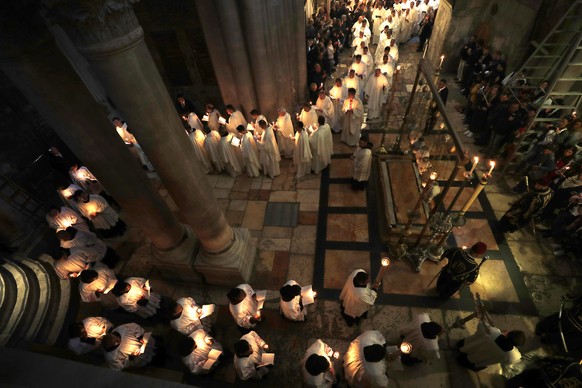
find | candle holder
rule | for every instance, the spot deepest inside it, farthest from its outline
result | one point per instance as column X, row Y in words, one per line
column 382, row 150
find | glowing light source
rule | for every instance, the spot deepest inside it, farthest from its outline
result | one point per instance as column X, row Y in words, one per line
column 406, row 348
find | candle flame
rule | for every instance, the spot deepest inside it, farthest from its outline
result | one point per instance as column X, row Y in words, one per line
column 433, row 175
column 406, row 348
column 314, row 293
column 209, row 340
column 265, row 346
column 476, row 159
column 398, row 68
column 464, row 247
column 442, row 57
column 492, row 163
column 385, row 262
column 336, row 355
column 199, row 311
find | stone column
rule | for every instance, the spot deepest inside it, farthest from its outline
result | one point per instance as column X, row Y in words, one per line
column 300, row 52
column 30, row 58
column 110, row 37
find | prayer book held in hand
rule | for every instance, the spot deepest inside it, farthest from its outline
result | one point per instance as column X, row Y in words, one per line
column 261, row 296
column 212, row 358
column 146, row 339
column 205, row 118
column 207, row 310
column 307, row 295
column 147, row 287
column 267, row 359
column 235, row 142
column 222, row 120
column 250, row 127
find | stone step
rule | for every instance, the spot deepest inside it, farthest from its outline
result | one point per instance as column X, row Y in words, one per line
column 16, row 295
column 46, row 296
column 58, row 308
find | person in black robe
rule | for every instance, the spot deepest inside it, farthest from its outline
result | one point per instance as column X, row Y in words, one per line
column 462, row 269
column 526, row 208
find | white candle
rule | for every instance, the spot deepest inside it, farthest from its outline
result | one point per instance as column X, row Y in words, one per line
column 385, row 264
column 492, row 164
column 442, row 59
column 265, row 346
column 475, row 161
column 398, row 68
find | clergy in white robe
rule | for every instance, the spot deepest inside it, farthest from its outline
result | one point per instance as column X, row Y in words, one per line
column 195, row 349
column 73, row 238
column 359, row 67
column 362, row 26
column 352, row 82
column 71, row 264
column 269, row 154
column 187, row 315
column 213, row 117
column 194, row 122
column 243, row 306
column 248, row 354
column 317, row 368
column 357, row 297
column 308, row 115
column 364, row 362
column 285, row 133
column 66, row 193
column 135, row 296
column 422, row 334
column 376, row 90
column 321, row 143
column 357, row 41
column 250, row 152
column 95, row 284
column 102, row 216
column 63, row 217
column 377, row 18
column 235, row 119
column 489, row 346
column 394, row 50
column 197, row 138
column 131, row 141
column 324, row 107
column 85, row 179
column 338, row 94
column 362, row 158
column 302, row 153
column 387, row 67
column 382, row 49
column 123, row 347
column 353, row 110
column 231, row 155
column 213, row 150
column 291, row 304
column 257, row 117
column 87, row 335
column 368, row 60
column 406, row 26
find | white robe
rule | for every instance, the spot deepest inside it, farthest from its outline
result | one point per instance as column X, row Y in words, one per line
column 376, row 90
column 292, row 309
column 250, row 155
column 105, row 281
column 79, row 260
column 189, row 320
column 362, row 164
column 130, row 140
column 195, row 360
column 245, row 310
column 246, row 367
column 360, row 68
column 231, row 156
column 302, row 154
column 85, row 179
column 325, row 108
column 213, row 118
column 352, row 121
column 137, row 291
column 482, row 350
column 96, row 327
column 212, row 147
column 379, row 54
column 67, row 195
column 194, row 122
column 86, row 240
column 322, row 380
column 352, row 83
column 394, row 52
column 377, row 17
column 338, row 95
column 308, row 118
column 321, row 143
column 258, row 130
column 66, row 217
column 387, row 68
column 97, row 209
column 356, row 300
column 360, row 373
column 269, row 153
column 423, row 348
column 235, row 119
column 197, row 138
column 119, row 358
column 285, row 135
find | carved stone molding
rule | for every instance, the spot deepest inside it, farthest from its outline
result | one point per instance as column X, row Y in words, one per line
column 97, row 27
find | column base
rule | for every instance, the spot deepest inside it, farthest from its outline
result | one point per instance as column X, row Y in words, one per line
column 177, row 263
column 232, row 267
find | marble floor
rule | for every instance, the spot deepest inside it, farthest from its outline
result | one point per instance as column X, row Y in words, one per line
column 338, row 230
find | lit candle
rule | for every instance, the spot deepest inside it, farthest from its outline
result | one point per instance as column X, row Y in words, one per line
column 313, row 294
column 433, row 175
column 405, row 348
column 208, row 340
column 265, row 346
column 336, row 355
column 464, row 247
column 475, row 161
column 258, row 314
column 492, row 164
column 442, row 59
column 199, row 311
column 385, row 264
column 398, row 68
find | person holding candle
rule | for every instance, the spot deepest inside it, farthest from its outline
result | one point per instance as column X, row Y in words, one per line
column 364, row 362
column 74, row 240
column 186, row 315
column 249, row 152
column 63, row 217
column 317, row 367
column 231, row 154
column 213, row 150
column 357, row 296
column 258, row 132
column 460, row 270
column 285, row 132
column 526, row 208
column 269, row 154
column 353, row 109
column 66, row 192
column 291, row 304
column 126, row 347
column 338, row 94
column 131, row 142
column 235, row 119
column 423, row 335
column 324, row 107
column 362, row 164
column 489, row 346
column 376, row 91
column 248, row 357
column 350, row 82
column 244, row 307
column 302, row 153
column 87, row 335
column 308, row 115
column 99, row 212
column 95, row 284
column 70, row 265
column 195, row 350
column 321, row 143
column 197, row 137
column 135, row 296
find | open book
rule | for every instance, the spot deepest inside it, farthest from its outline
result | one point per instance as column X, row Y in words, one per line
column 207, row 310
column 205, row 118
column 235, row 141
column 307, row 295
column 146, row 339
column 261, row 296
column 147, row 287
column 212, row 358
column 267, row 359
column 250, row 127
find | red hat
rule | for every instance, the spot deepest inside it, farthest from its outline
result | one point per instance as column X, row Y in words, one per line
column 479, row 248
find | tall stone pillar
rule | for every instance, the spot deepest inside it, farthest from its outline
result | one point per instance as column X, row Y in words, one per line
column 300, row 52
column 30, row 58
column 109, row 36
